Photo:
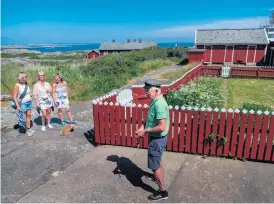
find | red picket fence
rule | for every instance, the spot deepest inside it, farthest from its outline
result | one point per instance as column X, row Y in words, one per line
column 238, row 134
column 206, row 70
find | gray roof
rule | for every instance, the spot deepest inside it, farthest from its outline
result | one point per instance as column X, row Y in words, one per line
column 231, row 36
column 127, row 45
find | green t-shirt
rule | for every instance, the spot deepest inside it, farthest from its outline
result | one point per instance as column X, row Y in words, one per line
column 158, row 110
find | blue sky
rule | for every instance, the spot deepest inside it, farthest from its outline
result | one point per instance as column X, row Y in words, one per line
column 88, row 21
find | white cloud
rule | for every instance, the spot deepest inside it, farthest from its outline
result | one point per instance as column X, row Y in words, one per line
column 188, row 30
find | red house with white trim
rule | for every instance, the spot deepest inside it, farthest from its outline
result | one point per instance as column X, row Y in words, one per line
column 246, row 46
column 93, row 54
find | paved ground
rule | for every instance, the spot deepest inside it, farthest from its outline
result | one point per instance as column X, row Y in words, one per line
column 29, row 162
column 190, row 178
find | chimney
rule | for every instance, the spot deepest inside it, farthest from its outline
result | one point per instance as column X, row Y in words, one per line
column 113, row 41
column 140, row 41
column 134, row 40
column 128, row 40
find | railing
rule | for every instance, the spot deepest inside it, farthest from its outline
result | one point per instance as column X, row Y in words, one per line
column 225, row 133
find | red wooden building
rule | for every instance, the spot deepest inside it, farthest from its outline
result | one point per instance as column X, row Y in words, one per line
column 247, row 46
column 107, row 48
column 93, row 54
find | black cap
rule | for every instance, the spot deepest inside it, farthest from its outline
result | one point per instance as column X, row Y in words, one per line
column 152, row 83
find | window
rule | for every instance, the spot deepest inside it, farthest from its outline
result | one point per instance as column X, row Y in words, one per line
column 105, row 53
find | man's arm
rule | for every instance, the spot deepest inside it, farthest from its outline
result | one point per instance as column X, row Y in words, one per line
column 159, row 128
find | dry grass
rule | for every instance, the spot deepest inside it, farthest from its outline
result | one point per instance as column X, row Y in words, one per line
column 176, row 74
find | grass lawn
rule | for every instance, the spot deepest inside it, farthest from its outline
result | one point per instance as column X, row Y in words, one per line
column 228, row 93
column 249, row 91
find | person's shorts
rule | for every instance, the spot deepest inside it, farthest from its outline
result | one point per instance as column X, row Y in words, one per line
column 26, row 106
column 45, row 104
column 62, row 103
column 156, row 148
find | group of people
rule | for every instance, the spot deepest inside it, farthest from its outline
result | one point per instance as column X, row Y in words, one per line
column 156, row 125
column 46, row 97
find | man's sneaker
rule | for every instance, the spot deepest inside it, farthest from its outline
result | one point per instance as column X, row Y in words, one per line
column 158, row 195
column 62, row 122
column 43, row 128
column 50, row 126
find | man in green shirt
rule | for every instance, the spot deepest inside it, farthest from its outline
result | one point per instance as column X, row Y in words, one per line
column 156, row 126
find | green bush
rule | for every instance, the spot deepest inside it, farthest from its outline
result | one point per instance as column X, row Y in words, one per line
column 204, row 92
column 256, row 107
column 113, row 71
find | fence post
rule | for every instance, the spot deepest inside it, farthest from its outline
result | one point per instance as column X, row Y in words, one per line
column 256, row 131
column 234, row 137
column 269, row 146
column 249, row 134
column 182, row 129
column 169, row 136
column 262, row 142
column 176, row 127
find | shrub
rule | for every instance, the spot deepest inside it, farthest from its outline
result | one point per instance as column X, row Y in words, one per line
column 203, row 92
column 256, row 107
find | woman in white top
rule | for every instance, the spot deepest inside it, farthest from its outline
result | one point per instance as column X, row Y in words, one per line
column 22, row 99
column 42, row 92
column 60, row 97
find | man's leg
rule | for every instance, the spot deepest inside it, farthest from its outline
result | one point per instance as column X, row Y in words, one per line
column 159, row 177
column 155, row 152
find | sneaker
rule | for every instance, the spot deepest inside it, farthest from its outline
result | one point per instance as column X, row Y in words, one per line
column 73, row 122
column 30, row 132
column 158, row 195
column 43, row 128
column 50, row 126
column 62, row 122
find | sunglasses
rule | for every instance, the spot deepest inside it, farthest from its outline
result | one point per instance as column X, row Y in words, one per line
column 147, row 89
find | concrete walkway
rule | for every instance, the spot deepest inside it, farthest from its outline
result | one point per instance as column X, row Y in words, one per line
column 95, row 177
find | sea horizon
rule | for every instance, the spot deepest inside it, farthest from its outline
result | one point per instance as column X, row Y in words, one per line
column 70, row 47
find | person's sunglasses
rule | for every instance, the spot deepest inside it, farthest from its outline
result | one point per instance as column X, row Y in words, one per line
column 147, row 89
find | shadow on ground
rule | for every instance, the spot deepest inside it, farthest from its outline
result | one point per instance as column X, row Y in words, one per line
column 53, row 120
column 90, row 135
column 131, row 171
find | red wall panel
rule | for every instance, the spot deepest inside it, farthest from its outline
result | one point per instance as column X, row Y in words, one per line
column 207, row 55
column 195, row 56
column 260, row 53
column 218, row 53
column 251, row 53
column 228, row 55
column 240, row 53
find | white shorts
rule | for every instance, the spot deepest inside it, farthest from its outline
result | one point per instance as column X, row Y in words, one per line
column 62, row 103
column 45, row 104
